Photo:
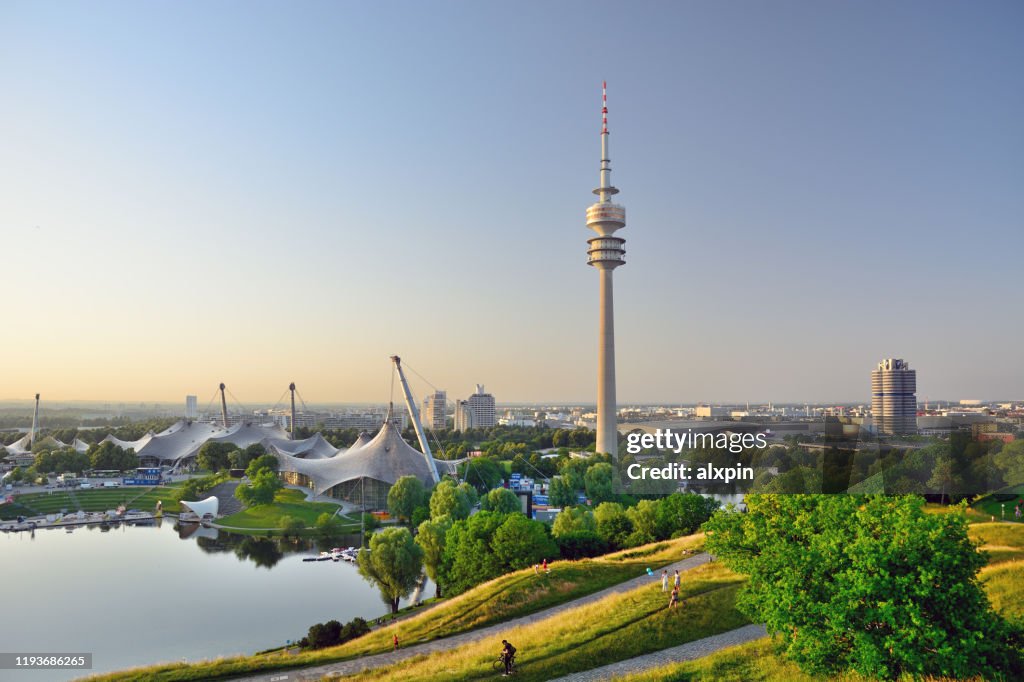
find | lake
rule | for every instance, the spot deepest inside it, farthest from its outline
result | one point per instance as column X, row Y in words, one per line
column 140, row 595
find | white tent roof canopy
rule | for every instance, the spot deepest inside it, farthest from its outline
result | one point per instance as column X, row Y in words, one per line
column 203, row 507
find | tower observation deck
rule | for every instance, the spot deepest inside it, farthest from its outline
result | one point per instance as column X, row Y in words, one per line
column 606, row 252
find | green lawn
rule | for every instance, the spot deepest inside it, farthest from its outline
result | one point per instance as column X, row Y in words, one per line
column 287, row 502
column 612, row 629
column 752, row 662
column 990, row 506
column 100, row 499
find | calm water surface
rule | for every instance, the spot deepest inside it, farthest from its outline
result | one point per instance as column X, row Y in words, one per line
column 140, row 595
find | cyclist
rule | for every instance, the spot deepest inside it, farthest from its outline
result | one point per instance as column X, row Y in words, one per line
column 508, row 654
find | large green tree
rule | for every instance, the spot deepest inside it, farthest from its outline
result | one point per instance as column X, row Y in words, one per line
column 520, row 542
column 561, row 493
column 598, row 482
column 613, row 525
column 214, row 455
column 501, row 500
column 261, row 489
column 1010, row 460
column 468, row 556
column 574, row 520
column 871, row 584
column 405, row 495
column 683, row 513
column 448, row 500
column 430, row 537
column 393, row 564
column 483, row 473
column 112, row 457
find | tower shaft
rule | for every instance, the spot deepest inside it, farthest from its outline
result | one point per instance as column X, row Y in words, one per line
column 607, row 429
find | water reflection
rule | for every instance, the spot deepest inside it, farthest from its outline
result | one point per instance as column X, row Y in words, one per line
column 160, row 565
column 265, row 552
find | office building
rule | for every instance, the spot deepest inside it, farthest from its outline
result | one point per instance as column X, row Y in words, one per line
column 435, row 411
column 893, row 397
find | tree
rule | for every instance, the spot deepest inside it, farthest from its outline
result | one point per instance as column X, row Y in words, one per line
column 483, row 473
column 405, row 495
column 520, row 542
column 683, row 513
column 468, row 557
column 393, row 563
column 573, row 469
column 1010, row 461
column 574, row 520
column 329, row 526
column 561, row 493
column 214, row 455
column 870, row 584
column 472, row 498
column 501, row 500
column 430, row 537
column 109, row 456
column 613, row 525
column 420, row 514
column 598, row 482
column 261, row 490
column 261, row 463
column 645, row 519
column 291, row 525
column 448, row 500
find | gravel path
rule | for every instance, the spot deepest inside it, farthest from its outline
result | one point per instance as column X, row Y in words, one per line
column 379, row 660
column 683, row 652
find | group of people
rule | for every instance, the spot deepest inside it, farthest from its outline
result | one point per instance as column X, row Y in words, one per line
column 537, row 568
column 673, row 599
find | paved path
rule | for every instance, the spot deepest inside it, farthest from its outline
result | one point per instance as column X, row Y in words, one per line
column 447, row 643
column 225, row 493
column 683, row 652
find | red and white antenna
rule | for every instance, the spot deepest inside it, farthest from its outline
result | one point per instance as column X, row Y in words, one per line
column 604, row 107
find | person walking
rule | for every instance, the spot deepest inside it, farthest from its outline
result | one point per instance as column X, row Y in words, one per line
column 545, row 565
column 678, row 579
column 395, row 640
column 664, row 581
column 673, row 598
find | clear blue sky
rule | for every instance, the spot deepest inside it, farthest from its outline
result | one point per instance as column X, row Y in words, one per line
column 261, row 192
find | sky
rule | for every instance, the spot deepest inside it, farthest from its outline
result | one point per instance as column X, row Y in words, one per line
column 266, row 192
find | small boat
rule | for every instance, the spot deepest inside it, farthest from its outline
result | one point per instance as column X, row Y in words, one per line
column 309, row 558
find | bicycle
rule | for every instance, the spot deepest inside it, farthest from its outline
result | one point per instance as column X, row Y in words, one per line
column 499, row 664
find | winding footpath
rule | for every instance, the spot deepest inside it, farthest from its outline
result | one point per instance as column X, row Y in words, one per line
column 355, row 665
column 676, row 654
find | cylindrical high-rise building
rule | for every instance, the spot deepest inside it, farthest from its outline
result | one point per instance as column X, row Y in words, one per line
column 893, row 397
column 606, row 252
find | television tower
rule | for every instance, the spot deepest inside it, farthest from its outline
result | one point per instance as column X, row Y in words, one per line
column 606, row 252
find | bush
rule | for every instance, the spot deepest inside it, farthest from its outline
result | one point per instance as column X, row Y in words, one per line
column 419, row 515
column 333, row 633
column 291, row 525
column 581, row 543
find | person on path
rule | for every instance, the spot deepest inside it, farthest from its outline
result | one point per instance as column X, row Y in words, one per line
column 545, row 565
column 664, row 581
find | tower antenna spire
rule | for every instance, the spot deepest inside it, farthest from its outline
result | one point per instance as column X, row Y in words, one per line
column 604, row 107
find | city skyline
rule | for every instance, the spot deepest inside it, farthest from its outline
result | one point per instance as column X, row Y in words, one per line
column 193, row 195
